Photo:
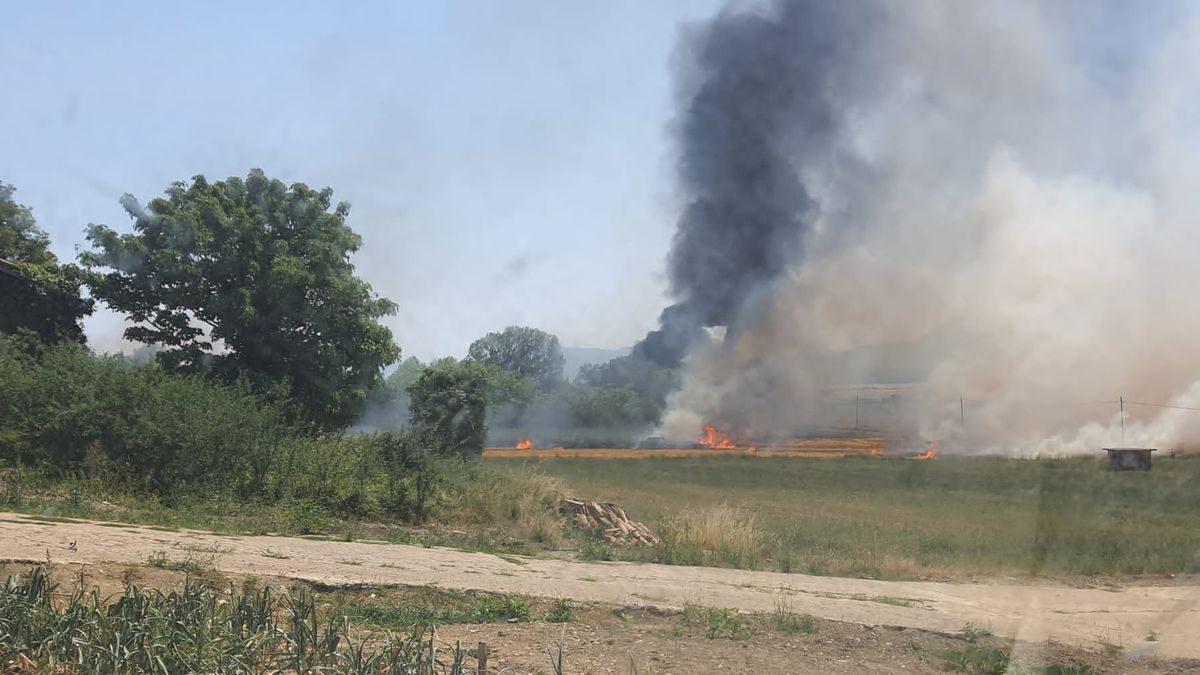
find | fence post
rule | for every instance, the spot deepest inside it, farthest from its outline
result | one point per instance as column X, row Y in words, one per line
column 482, row 653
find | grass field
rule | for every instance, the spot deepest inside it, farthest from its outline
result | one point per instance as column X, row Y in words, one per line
column 881, row 518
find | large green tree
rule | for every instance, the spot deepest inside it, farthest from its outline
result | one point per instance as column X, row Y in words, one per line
column 250, row 279
column 530, row 352
column 509, row 394
column 36, row 292
column 448, row 406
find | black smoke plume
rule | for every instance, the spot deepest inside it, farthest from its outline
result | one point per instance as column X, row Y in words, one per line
column 756, row 103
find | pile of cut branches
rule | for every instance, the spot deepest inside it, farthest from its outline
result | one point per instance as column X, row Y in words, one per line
column 616, row 527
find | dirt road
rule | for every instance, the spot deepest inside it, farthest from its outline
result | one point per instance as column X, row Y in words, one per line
column 1084, row 617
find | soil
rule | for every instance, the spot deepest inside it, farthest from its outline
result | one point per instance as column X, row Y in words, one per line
column 629, row 612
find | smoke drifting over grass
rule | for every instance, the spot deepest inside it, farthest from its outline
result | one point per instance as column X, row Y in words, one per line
column 969, row 185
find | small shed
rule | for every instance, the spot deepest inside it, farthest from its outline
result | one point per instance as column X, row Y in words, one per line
column 1129, row 459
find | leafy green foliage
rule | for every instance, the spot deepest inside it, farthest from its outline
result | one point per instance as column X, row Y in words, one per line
column 67, row 409
column 199, row 630
column 717, row 622
column 628, row 392
column 442, row 607
column 178, row 436
column 977, row 661
column 562, row 611
column 449, row 406
column 37, row 294
column 651, row 381
column 593, row 546
column 529, row 352
column 250, row 278
column 610, row 407
column 21, row 240
column 509, row 394
column 308, row 517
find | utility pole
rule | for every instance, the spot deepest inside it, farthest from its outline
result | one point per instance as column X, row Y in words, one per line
column 962, row 418
column 856, row 412
column 1122, row 421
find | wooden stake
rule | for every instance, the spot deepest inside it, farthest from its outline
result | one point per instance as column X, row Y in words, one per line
column 482, row 653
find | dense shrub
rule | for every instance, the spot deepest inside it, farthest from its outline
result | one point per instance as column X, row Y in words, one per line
column 360, row 474
column 67, row 411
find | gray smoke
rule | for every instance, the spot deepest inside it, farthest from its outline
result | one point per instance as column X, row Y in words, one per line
column 1000, row 203
column 758, row 91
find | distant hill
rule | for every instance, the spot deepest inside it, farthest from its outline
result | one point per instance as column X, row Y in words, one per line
column 577, row 357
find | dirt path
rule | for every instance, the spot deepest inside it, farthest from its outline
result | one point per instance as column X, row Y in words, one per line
column 1032, row 614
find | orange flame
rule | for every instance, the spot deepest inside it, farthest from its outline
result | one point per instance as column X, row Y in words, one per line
column 928, row 454
column 525, row 444
column 715, row 439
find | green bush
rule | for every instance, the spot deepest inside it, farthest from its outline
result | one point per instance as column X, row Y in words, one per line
column 562, row 611
column 595, row 547
column 361, row 475
column 306, row 517
column 66, row 412
column 448, row 406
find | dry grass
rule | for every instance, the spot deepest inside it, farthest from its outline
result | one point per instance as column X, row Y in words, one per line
column 523, row 503
column 507, row 496
column 731, row 531
column 542, row 527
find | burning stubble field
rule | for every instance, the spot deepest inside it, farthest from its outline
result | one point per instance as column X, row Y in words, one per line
column 895, row 519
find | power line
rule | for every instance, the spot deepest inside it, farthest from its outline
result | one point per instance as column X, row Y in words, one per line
column 1163, row 405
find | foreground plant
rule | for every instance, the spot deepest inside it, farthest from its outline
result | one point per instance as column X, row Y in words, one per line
column 197, row 629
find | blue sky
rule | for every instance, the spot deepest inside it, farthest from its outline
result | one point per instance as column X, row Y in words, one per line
column 506, row 162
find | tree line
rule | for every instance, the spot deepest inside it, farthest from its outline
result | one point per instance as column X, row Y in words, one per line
column 247, row 283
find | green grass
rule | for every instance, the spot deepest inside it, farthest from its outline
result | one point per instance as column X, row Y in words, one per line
column 562, row 611
column 997, row 661
column 41, row 498
column 785, row 620
column 715, row 622
column 950, row 518
column 434, row 607
column 973, row 633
